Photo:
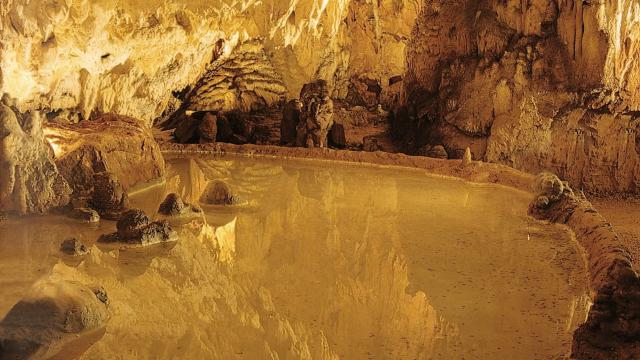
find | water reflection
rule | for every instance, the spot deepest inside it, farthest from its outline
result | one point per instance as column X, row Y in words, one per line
column 336, row 262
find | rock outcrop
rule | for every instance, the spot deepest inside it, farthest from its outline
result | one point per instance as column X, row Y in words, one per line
column 119, row 145
column 538, row 85
column 316, row 115
column 29, row 179
column 135, row 228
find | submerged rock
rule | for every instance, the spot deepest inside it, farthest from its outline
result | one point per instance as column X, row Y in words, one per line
column 173, row 205
column 218, row 193
column 52, row 310
column 73, row 247
column 134, row 227
column 85, row 214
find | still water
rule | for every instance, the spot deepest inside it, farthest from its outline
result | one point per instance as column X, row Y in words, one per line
column 321, row 261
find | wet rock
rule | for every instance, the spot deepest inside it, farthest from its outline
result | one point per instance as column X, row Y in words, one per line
column 108, row 197
column 131, row 223
column 208, row 128
column 316, row 115
column 53, row 310
column 73, row 247
column 134, row 227
column 85, row 214
column 337, row 138
column 116, row 144
column 218, row 193
column 289, row 122
column 30, row 181
column 173, row 205
column 370, row 143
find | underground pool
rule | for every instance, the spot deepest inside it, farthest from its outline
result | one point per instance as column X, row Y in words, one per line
column 315, row 260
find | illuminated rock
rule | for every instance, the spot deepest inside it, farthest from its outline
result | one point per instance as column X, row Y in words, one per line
column 174, row 206
column 218, row 193
column 120, row 145
column 134, row 227
column 29, row 179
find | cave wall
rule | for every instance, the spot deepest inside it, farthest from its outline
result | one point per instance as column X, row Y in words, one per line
column 534, row 84
column 80, row 58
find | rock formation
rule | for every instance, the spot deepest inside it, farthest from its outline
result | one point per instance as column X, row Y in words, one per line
column 612, row 329
column 54, row 309
column 316, row 115
column 134, row 227
column 537, row 85
column 219, row 193
column 120, row 145
column 173, row 205
column 29, row 179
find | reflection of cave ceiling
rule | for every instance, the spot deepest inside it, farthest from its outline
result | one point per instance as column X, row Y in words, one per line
column 128, row 56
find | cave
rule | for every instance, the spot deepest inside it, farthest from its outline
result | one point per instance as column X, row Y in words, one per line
column 336, row 179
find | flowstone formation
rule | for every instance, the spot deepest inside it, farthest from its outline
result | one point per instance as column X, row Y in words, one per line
column 29, row 179
column 612, row 330
column 537, row 85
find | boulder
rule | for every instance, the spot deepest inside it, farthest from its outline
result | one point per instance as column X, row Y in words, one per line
column 218, row 193
column 173, row 205
column 131, row 223
column 73, row 247
column 289, row 122
column 337, row 138
column 30, row 181
column 316, row 115
column 52, row 311
column 108, row 197
column 117, row 144
column 134, row 227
